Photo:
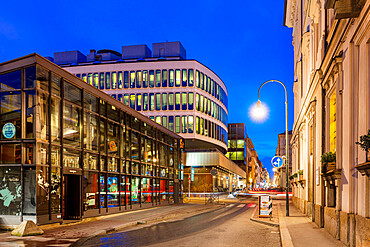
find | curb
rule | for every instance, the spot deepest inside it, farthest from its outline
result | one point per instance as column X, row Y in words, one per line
column 133, row 223
column 260, row 221
column 286, row 239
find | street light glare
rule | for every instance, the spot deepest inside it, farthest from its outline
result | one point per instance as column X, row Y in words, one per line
column 259, row 112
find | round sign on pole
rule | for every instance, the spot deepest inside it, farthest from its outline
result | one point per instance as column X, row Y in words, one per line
column 214, row 172
column 277, row 161
column 8, row 130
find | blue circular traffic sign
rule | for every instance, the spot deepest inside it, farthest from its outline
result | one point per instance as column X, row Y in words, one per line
column 277, row 161
column 8, row 130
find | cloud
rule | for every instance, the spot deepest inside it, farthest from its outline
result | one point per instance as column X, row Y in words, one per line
column 8, row 30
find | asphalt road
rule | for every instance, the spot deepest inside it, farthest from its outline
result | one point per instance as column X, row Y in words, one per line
column 229, row 226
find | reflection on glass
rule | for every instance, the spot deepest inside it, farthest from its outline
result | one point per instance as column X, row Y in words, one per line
column 191, row 124
column 71, row 125
column 91, row 193
column 112, row 188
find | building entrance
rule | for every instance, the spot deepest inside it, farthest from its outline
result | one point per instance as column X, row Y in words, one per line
column 71, row 197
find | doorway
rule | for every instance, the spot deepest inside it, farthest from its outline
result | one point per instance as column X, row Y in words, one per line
column 71, row 197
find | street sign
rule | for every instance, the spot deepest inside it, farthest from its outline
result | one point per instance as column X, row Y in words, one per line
column 277, row 161
column 214, row 172
column 192, row 174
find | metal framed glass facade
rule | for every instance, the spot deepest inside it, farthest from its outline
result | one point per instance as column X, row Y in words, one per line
column 68, row 151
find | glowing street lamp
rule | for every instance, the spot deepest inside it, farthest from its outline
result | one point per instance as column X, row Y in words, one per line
column 259, row 113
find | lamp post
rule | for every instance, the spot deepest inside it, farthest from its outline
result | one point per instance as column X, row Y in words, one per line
column 286, row 139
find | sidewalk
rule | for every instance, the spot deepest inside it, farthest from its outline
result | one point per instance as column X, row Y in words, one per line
column 70, row 233
column 298, row 230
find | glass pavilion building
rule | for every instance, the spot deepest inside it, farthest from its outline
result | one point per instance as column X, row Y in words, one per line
column 69, row 151
column 180, row 94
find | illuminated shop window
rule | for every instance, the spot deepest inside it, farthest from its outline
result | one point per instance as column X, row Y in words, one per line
column 112, row 187
column 146, row 190
column 135, row 193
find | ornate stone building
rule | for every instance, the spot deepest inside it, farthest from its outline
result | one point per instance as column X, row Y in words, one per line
column 332, row 110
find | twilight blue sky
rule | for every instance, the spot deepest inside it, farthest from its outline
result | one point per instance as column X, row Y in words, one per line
column 244, row 42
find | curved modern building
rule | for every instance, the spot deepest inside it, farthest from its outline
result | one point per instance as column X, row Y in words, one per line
column 181, row 94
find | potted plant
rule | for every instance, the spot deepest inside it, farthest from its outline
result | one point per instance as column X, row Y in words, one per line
column 300, row 173
column 295, row 176
column 328, row 161
column 365, row 144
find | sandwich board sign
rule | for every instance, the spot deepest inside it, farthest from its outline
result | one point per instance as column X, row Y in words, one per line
column 264, row 206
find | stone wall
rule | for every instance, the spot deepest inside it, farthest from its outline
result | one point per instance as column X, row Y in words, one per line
column 319, row 221
column 362, row 231
column 344, row 227
column 330, row 221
